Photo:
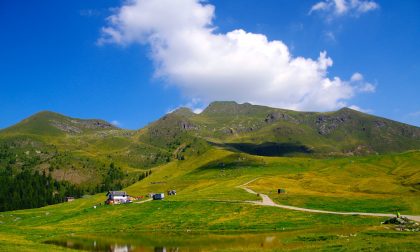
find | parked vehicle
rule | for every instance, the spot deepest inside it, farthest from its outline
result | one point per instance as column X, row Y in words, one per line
column 158, row 196
column 171, row 192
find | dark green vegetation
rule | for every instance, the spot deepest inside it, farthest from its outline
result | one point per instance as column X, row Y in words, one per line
column 29, row 190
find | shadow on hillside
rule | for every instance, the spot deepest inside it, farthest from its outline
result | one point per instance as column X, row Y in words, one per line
column 232, row 161
column 268, row 149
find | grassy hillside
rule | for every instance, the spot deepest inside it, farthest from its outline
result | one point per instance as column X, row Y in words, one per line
column 382, row 183
column 52, row 124
column 209, row 200
column 76, row 150
column 277, row 132
column 80, row 151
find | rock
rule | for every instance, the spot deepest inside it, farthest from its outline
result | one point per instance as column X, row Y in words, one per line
column 276, row 116
column 327, row 124
column 186, row 125
column 380, row 124
column 96, row 124
column 403, row 224
column 66, row 127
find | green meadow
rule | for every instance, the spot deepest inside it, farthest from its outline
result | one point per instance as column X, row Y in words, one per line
column 209, row 203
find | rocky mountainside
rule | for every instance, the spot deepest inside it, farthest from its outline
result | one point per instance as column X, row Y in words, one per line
column 53, row 124
column 80, row 150
column 247, row 127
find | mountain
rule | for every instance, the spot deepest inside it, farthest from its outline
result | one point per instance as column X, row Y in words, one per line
column 93, row 155
column 79, row 151
column 275, row 132
column 48, row 123
column 254, row 129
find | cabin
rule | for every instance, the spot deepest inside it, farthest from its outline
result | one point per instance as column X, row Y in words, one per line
column 281, row 191
column 117, row 197
column 69, row 199
column 158, row 196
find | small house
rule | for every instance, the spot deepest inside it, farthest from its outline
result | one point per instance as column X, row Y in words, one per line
column 117, row 197
column 158, row 196
column 281, row 191
column 69, row 199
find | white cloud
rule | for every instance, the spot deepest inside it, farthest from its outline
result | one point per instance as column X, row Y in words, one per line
column 360, row 109
column 330, row 36
column 336, row 8
column 206, row 65
column 198, row 110
column 357, row 80
column 196, row 106
column 356, row 77
column 116, row 123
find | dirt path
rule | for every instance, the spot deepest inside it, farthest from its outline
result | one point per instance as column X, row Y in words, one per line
column 143, row 201
column 266, row 201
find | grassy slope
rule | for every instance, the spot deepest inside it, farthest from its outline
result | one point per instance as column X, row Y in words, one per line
column 90, row 145
column 76, row 150
column 209, row 200
column 341, row 132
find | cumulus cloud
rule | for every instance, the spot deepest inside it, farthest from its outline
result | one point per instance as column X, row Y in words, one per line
column 336, row 8
column 207, row 65
column 116, row 123
column 355, row 107
column 196, row 106
column 357, row 80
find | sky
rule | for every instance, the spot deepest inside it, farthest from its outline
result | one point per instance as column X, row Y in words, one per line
column 130, row 62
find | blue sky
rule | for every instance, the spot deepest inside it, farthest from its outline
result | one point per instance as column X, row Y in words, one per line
column 72, row 58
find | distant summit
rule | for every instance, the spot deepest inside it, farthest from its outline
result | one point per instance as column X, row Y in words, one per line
column 342, row 132
column 232, row 108
column 55, row 124
column 183, row 111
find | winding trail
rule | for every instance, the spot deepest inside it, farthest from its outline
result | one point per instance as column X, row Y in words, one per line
column 267, row 201
column 143, row 201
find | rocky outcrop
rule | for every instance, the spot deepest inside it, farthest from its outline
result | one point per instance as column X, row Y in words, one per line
column 327, row 124
column 94, row 124
column 66, row 127
column 77, row 126
column 276, row 116
column 186, row 125
column 403, row 224
column 379, row 124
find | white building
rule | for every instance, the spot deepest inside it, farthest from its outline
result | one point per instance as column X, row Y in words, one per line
column 117, row 197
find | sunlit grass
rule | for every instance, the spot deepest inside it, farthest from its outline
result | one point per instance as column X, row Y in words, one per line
column 208, row 200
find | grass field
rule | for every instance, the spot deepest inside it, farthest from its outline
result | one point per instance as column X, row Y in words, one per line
column 208, row 201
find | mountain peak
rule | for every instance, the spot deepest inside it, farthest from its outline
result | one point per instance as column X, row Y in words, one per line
column 183, row 111
column 233, row 108
column 54, row 124
column 347, row 109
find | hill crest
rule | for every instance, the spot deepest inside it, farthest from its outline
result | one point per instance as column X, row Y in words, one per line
column 54, row 124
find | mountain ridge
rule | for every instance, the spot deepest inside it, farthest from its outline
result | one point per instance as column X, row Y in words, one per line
column 229, row 121
column 53, row 123
column 94, row 155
